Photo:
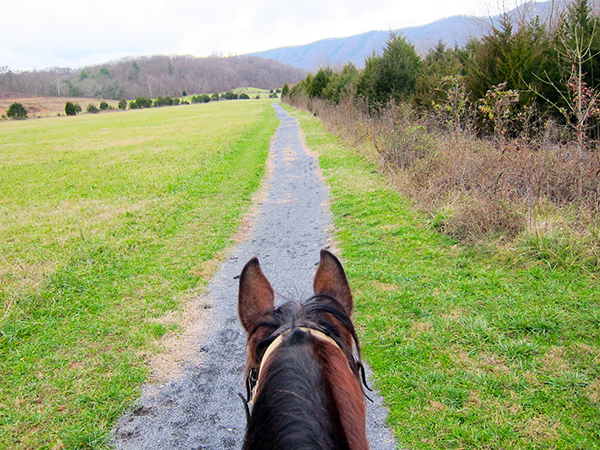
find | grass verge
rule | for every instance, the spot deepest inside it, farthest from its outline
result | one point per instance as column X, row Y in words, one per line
column 106, row 223
column 468, row 351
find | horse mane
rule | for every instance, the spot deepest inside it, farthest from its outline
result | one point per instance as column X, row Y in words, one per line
column 314, row 398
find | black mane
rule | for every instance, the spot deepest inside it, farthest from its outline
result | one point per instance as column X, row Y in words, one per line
column 297, row 406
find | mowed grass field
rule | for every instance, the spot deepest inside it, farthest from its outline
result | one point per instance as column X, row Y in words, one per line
column 471, row 349
column 107, row 223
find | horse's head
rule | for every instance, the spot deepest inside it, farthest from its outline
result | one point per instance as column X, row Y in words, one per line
column 329, row 310
column 321, row 327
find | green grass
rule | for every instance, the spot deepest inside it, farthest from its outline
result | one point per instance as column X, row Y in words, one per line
column 107, row 223
column 468, row 351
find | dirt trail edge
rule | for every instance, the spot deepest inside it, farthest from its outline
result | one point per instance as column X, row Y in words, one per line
column 200, row 409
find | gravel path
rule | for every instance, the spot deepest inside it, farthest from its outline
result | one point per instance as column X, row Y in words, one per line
column 200, row 409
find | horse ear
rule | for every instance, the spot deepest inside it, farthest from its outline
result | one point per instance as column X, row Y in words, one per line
column 331, row 279
column 256, row 294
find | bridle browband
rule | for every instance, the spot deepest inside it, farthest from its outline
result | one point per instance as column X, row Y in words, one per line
column 319, row 335
column 253, row 376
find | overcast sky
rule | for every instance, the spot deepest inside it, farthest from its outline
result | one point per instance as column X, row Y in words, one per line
column 37, row 34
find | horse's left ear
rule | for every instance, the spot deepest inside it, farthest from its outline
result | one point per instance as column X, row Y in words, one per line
column 330, row 279
column 256, row 296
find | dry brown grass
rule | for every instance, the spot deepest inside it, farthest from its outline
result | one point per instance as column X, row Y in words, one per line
column 49, row 106
column 534, row 193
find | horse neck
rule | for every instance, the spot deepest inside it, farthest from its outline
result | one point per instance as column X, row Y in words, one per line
column 308, row 398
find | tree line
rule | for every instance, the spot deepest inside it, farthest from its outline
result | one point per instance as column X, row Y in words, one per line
column 496, row 139
column 151, row 76
column 519, row 75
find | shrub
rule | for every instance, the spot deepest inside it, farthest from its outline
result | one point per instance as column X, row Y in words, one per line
column 285, row 91
column 92, row 109
column 214, row 97
column 103, row 106
column 70, row 109
column 140, row 102
column 244, row 96
column 122, row 104
column 203, row 98
column 16, row 111
column 230, row 95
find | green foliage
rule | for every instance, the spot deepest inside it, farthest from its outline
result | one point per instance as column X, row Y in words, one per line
column 140, row 103
column 160, row 101
column 83, row 75
column 319, row 83
column 285, row 91
column 244, row 96
column 391, row 76
column 439, row 64
column 230, row 95
column 341, row 84
column 105, row 72
column 103, row 106
column 16, row 111
column 203, row 98
column 184, row 94
column 214, row 97
column 70, row 109
column 122, row 104
column 515, row 58
column 91, row 108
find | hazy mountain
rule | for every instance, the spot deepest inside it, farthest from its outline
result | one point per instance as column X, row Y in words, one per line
column 452, row 31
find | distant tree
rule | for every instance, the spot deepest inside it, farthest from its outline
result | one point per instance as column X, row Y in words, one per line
column 70, row 109
column 83, row 75
column 92, row 109
column 319, row 83
column 142, row 102
column 244, row 96
column 176, row 102
column 16, row 111
column 391, row 75
column 214, row 97
column 122, row 104
column 230, row 95
column 285, row 91
column 103, row 106
column 105, row 72
column 184, row 94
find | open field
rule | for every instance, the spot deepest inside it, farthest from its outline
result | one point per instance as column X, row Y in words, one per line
column 470, row 349
column 107, row 224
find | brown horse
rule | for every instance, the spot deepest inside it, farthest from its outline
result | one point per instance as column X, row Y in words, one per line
column 303, row 378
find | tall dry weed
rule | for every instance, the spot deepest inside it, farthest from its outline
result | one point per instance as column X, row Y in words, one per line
column 475, row 188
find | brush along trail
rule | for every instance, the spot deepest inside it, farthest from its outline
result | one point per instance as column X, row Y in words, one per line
column 199, row 408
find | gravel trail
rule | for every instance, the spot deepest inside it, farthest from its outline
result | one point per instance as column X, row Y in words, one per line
column 200, row 409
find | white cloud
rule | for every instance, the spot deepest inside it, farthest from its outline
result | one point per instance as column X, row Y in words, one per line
column 40, row 33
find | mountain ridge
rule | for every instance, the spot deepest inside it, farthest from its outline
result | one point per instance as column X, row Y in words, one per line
column 453, row 30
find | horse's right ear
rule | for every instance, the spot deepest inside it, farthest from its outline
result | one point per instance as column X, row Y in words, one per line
column 256, row 294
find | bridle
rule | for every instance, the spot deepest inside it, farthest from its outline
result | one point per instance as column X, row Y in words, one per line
column 253, row 380
column 254, row 374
